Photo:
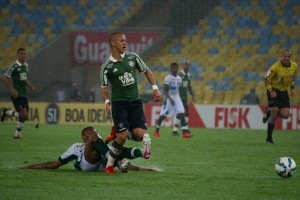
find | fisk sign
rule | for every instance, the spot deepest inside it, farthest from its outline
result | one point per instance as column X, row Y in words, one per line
column 92, row 48
column 226, row 116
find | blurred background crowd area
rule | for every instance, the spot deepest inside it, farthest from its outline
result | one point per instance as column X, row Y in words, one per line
column 229, row 43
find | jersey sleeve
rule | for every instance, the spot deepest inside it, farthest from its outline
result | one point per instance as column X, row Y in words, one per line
column 73, row 153
column 103, row 76
column 141, row 66
column 167, row 80
column 271, row 72
column 9, row 71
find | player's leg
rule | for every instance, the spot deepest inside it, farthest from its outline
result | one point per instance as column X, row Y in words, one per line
column 166, row 110
column 158, row 124
column 284, row 113
column 267, row 115
column 271, row 124
column 6, row 112
column 180, row 110
column 176, row 125
column 273, row 105
column 186, row 114
column 21, row 105
column 120, row 114
column 138, row 124
column 111, row 136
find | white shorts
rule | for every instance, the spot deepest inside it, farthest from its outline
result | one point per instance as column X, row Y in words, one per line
column 170, row 110
column 86, row 166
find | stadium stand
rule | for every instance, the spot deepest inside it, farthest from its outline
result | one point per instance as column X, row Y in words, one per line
column 232, row 48
column 34, row 24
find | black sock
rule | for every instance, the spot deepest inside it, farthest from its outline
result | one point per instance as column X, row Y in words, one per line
column 132, row 152
column 270, row 130
column 101, row 147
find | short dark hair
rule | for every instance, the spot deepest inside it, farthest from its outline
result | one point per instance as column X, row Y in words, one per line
column 173, row 64
column 112, row 36
column 85, row 129
column 20, row 49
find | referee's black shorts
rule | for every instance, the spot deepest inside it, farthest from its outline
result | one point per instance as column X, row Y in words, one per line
column 282, row 99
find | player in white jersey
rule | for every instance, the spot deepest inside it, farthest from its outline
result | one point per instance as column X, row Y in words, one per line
column 90, row 155
column 172, row 104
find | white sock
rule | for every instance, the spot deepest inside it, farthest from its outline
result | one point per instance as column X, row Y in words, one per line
column 187, row 122
column 110, row 161
column 20, row 125
column 12, row 113
column 176, row 124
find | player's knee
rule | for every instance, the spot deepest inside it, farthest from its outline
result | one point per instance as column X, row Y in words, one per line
column 285, row 115
column 24, row 115
column 22, row 119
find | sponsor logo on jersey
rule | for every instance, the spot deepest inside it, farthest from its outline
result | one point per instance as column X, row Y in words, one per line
column 126, row 79
column 115, row 70
column 23, row 76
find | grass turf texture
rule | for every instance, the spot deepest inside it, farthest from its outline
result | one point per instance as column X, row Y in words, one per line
column 213, row 164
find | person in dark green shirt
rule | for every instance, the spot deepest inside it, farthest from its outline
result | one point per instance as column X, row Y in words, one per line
column 16, row 80
column 127, row 108
column 185, row 88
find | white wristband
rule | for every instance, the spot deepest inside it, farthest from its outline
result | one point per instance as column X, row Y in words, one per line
column 154, row 87
column 106, row 101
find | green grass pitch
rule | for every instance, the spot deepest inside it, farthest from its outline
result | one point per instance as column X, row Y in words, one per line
column 213, row 164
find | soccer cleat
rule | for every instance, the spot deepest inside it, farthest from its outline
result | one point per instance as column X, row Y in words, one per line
column 123, row 165
column 19, row 136
column 112, row 136
column 266, row 115
column 270, row 140
column 156, row 134
column 146, row 146
column 109, row 170
column 3, row 114
column 175, row 133
column 186, row 135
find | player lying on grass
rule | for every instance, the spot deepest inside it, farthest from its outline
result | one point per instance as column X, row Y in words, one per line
column 91, row 155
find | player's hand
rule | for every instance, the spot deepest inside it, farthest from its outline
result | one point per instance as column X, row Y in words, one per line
column 172, row 101
column 273, row 94
column 107, row 105
column 193, row 99
column 156, row 95
column 32, row 87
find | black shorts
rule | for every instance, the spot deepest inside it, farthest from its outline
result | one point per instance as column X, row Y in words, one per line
column 20, row 103
column 128, row 115
column 282, row 99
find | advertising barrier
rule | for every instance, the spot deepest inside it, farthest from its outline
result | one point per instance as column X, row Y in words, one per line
column 201, row 116
column 66, row 113
column 226, row 116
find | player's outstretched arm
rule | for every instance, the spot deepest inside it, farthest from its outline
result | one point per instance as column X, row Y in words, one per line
column 47, row 165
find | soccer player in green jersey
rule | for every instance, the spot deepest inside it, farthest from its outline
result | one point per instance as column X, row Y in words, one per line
column 18, row 73
column 185, row 88
column 278, row 80
column 127, row 108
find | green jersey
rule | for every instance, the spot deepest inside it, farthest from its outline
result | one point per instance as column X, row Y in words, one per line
column 122, row 76
column 19, row 76
column 186, row 82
